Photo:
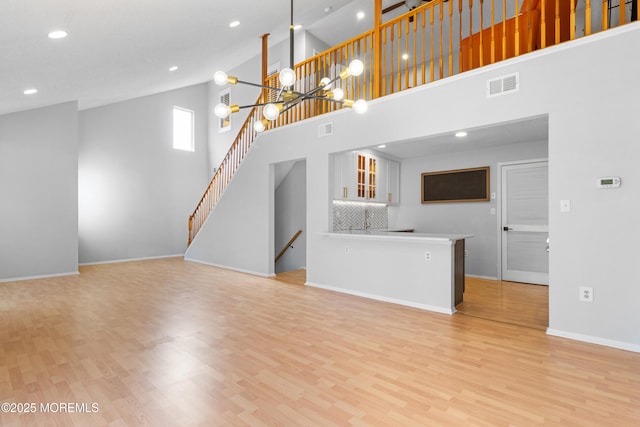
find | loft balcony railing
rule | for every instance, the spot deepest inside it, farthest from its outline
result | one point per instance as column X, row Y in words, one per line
column 439, row 39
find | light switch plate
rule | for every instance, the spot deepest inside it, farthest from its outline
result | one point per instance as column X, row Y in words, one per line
column 565, row 205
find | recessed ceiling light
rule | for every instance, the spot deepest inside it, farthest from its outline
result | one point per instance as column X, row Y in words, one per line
column 382, row 146
column 58, row 34
column 30, row 91
column 174, row 68
column 360, row 15
column 461, row 134
column 234, row 24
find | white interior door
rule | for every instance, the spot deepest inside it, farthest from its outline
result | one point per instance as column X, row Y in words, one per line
column 525, row 223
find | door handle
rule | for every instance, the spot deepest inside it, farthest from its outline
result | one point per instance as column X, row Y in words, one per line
column 507, row 228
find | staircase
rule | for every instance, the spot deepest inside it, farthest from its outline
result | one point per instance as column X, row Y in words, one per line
column 225, row 171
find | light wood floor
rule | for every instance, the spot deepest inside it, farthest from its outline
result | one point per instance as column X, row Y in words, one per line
column 515, row 303
column 171, row 343
column 507, row 302
column 295, row 277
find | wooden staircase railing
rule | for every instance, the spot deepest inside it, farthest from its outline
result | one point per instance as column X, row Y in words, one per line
column 439, row 39
column 288, row 245
column 225, row 171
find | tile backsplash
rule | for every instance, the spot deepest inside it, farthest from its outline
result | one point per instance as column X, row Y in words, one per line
column 351, row 216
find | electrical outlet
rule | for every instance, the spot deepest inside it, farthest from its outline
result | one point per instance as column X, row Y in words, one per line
column 466, row 253
column 346, row 250
column 586, row 294
column 427, row 256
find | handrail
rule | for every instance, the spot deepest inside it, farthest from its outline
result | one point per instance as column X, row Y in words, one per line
column 288, row 245
column 440, row 38
column 225, row 171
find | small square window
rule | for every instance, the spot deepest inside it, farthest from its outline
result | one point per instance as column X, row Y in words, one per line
column 183, row 129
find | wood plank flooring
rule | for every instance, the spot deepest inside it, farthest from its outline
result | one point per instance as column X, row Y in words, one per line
column 295, row 277
column 172, row 343
column 508, row 302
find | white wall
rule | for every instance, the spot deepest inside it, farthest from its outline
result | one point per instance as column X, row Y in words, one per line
column 465, row 218
column 290, row 216
column 389, row 269
column 588, row 89
column 313, row 43
column 39, row 192
column 136, row 190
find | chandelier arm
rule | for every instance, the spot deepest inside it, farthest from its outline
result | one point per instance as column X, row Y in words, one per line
column 319, row 88
column 322, row 98
column 285, row 109
column 258, row 85
column 252, row 105
column 333, row 80
column 290, row 105
column 282, row 89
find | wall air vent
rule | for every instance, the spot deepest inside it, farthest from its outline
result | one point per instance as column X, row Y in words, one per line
column 503, row 85
column 325, row 129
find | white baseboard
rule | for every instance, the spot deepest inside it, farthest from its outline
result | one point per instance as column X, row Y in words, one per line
column 481, row 277
column 226, row 267
column 384, row 299
column 42, row 276
column 116, row 261
column 595, row 340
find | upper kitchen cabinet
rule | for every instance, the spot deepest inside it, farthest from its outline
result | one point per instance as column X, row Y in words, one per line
column 344, row 175
column 363, row 176
column 393, row 182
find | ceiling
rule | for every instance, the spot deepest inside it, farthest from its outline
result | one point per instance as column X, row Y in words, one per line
column 530, row 130
column 123, row 49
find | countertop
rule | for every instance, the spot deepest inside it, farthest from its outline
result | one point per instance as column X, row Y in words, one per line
column 398, row 234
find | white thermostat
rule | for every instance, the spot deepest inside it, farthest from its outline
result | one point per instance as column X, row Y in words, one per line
column 609, row 182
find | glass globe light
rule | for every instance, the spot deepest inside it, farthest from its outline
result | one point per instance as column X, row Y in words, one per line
column 222, row 111
column 270, row 111
column 220, row 77
column 360, row 106
column 326, row 81
column 338, row 94
column 287, row 77
column 356, row 67
column 258, row 126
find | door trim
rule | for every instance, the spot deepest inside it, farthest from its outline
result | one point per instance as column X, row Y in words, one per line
column 498, row 192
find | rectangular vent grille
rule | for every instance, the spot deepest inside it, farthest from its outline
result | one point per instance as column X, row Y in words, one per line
column 224, row 125
column 325, row 129
column 503, row 85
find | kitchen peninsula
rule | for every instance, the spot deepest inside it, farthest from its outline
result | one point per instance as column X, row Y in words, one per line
column 422, row 270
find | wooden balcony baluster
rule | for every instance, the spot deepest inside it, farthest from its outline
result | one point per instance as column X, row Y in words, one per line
column 450, row 38
column 587, row 23
column 440, row 62
column 482, row 32
column 504, row 29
